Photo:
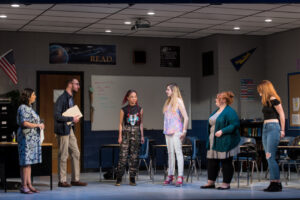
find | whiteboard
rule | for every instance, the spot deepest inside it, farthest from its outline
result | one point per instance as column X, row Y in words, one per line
column 109, row 91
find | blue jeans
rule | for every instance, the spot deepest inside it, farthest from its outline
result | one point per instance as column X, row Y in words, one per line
column 270, row 139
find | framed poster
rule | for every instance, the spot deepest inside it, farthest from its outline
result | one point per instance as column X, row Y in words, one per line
column 294, row 101
column 82, row 54
column 170, row 56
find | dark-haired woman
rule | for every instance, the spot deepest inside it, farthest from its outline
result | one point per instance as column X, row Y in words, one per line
column 223, row 141
column 131, row 135
column 28, row 139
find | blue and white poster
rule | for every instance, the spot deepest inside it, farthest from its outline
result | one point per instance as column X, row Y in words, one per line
column 82, row 54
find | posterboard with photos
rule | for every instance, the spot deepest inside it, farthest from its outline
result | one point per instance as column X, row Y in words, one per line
column 294, row 100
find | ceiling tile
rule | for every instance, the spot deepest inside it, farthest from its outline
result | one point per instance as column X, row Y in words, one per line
column 255, row 24
column 10, row 26
column 13, row 22
column 66, row 19
column 166, row 7
column 158, row 33
column 288, row 26
column 288, row 8
column 9, row 11
column 103, row 5
column 272, row 30
column 58, row 23
column 31, row 6
column 216, row 31
column 249, row 6
column 261, row 19
column 183, row 25
column 20, row 17
column 75, row 14
column 259, row 33
column 196, row 21
column 227, row 11
column 143, row 12
column 92, row 9
column 230, row 28
column 110, row 26
column 134, row 17
column 50, row 29
column 198, row 15
column 280, row 14
column 173, row 29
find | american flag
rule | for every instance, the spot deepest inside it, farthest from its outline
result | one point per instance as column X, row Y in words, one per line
column 7, row 63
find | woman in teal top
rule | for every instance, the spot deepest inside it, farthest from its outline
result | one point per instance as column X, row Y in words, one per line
column 223, row 141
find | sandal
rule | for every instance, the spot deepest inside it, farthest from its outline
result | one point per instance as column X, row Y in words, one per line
column 25, row 190
column 179, row 181
column 169, row 180
column 33, row 190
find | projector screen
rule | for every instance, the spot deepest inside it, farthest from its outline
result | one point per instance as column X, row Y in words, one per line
column 109, row 91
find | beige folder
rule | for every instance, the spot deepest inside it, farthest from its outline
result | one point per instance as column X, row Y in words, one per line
column 72, row 112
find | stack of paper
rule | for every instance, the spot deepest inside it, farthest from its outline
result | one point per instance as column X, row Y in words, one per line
column 72, row 112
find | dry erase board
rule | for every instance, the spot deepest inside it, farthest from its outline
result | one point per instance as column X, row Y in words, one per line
column 109, row 91
column 294, row 100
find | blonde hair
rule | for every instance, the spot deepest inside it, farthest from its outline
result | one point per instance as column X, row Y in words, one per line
column 228, row 96
column 173, row 99
column 267, row 90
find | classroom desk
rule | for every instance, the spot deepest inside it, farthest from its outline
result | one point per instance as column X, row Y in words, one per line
column 288, row 159
column 113, row 147
column 9, row 162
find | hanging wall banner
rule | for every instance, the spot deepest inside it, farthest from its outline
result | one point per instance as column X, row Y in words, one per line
column 82, row 54
column 170, row 56
column 240, row 60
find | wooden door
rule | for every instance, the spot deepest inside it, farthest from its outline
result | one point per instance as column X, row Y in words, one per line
column 49, row 85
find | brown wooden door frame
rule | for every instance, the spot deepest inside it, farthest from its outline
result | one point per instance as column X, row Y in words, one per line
column 81, row 74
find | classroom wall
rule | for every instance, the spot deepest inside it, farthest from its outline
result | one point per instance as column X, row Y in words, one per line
column 231, row 46
column 282, row 57
column 31, row 54
column 275, row 56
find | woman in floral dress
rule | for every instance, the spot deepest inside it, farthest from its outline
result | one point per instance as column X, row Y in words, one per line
column 28, row 138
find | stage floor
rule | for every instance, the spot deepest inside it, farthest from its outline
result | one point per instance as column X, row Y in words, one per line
column 145, row 190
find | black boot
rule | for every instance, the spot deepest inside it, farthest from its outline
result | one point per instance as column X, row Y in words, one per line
column 132, row 181
column 280, row 185
column 119, row 181
column 274, row 187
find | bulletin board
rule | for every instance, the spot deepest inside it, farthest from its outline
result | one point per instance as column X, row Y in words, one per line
column 294, row 100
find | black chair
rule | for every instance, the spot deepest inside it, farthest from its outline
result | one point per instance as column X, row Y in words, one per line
column 248, row 155
column 193, row 158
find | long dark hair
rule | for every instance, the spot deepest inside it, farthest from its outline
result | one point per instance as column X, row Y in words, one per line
column 25, row 96
column 128, row 93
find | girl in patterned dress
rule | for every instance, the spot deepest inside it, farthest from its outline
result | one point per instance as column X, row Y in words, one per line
column 28, row 138
column 175, row 126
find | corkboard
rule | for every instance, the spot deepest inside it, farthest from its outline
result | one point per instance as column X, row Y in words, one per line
column 294, row 100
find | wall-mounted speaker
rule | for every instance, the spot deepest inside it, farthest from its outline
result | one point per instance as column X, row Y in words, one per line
column 139, row 57
column 208, row 63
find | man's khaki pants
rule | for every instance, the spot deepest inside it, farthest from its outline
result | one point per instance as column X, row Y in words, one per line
column 67, row 144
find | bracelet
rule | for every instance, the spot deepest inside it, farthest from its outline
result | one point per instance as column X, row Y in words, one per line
column 184, row 131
